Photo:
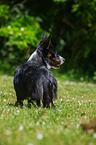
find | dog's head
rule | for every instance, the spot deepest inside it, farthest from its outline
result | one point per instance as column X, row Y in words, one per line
column 49, row 54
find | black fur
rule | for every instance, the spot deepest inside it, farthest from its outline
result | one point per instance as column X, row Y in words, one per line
column 33, row 80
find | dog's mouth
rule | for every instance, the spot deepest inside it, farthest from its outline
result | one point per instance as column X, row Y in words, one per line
column 55, row 63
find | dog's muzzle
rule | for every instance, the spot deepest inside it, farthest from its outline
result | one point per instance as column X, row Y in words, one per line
column 56, row 62
column 61, row 60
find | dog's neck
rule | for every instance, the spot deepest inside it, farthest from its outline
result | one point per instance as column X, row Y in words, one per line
column 36, row 59
column 33, row 57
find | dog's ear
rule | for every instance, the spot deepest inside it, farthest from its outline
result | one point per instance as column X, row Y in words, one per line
column 46, row 43
column 43, row 39
column 44, row 36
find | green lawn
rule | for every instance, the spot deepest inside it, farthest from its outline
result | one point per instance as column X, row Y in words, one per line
column 76, row 103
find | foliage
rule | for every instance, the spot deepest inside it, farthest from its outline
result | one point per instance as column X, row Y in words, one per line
column 76, row 103
column 22, row 32
column 85, row 34
column 4, row 10
column 59, row 0
column 71, row 23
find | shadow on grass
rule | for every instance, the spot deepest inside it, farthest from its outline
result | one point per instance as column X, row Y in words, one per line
column 11, row 104
column 22, row 107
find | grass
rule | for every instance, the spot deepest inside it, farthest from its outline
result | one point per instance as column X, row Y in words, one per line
column 76, row 103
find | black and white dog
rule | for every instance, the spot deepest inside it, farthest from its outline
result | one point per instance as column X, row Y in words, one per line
column 33, row 80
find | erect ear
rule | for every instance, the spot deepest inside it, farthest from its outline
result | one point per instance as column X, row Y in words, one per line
column 44, row 36
column 46, row 43
column 43, row 39
column 49, row 41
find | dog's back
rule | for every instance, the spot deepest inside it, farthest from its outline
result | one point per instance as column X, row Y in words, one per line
column 35, row 83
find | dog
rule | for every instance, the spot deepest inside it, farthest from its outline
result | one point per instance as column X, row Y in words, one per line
column 33, row 80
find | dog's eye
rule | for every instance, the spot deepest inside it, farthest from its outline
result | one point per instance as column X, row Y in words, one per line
column 49, row 55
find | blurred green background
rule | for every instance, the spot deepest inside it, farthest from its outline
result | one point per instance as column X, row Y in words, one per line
column 72, row 24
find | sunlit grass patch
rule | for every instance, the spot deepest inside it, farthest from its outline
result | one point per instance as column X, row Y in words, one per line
column 76, row 103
